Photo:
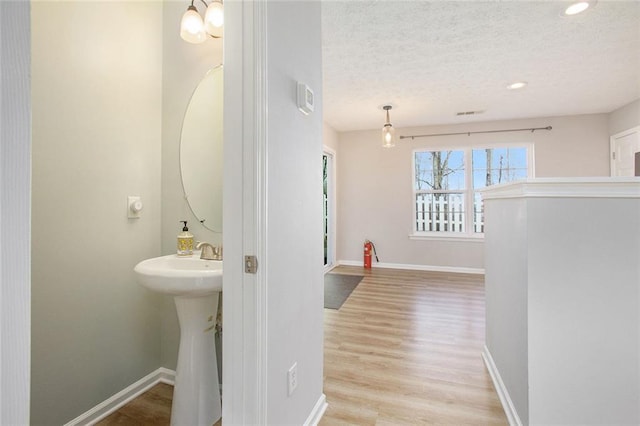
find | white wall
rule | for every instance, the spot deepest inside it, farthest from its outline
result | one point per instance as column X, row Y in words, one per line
column 294, row 229
column 583, row 311
column 375, row 187
column 15, row 211
column 562, row 299
column 183, row 66
column 625, row 118
column 329, row 137
column 96, row 93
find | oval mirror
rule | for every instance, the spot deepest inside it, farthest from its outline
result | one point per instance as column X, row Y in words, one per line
column 201, row 151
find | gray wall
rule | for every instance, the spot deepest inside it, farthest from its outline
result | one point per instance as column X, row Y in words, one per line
column 183, row 66
column 506, row 301
column 374, row 183
column 584, row 336
column 96, row 139
column 625, row 118
column 109, row 107
column 15, row 210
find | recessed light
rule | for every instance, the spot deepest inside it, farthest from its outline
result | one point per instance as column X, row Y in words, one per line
column 578, row 7
column 461, row 113
column 517, row 85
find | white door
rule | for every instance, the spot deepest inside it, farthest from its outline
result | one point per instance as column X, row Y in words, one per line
column 625, row 153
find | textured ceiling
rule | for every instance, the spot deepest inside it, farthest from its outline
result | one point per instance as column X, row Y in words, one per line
column 432, row 59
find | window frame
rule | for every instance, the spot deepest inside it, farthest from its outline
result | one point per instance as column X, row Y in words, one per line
column 469, row 191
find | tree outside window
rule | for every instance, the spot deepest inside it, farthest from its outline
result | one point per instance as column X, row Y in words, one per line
column 439, row 189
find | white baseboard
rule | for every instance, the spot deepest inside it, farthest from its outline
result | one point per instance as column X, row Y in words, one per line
column 317, row 412
column 503, row 394
column 432, row 268
column 329, row 268
column 102, row 410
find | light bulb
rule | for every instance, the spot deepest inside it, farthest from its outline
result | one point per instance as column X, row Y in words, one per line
column 192, row 27
column 388, row 133
column 214, row 18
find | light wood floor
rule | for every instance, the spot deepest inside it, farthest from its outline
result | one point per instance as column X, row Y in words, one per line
column 152, row 408
column 404, row 349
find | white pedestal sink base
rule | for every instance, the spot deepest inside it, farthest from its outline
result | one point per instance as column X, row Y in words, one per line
column 196, row 395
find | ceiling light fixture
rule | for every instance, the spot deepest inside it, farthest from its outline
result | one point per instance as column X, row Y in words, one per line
column 195, row 30
column 579, row 7
column 517, row 85
column 388, row 132
column 576, row 8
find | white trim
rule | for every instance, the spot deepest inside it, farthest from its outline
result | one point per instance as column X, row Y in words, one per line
column 244, row 210
column 626, row 132
column 330, row 268
column 331, row 260
column 109, row 406
column 317, row 412
column 258, row 239
column 612, row 151
column 598, row 187
column 501, row 390
column 432, row 268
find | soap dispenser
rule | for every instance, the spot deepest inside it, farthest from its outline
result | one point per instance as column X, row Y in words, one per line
column 185, row 241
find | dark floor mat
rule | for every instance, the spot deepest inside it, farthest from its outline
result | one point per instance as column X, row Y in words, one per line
column 338, row 287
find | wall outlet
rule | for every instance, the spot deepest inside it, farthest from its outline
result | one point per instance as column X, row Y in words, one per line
column 292, row 378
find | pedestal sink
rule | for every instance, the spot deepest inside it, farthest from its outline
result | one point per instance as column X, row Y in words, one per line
column 196, row 285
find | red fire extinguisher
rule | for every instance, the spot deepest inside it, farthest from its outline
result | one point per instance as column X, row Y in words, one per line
column 368, row 247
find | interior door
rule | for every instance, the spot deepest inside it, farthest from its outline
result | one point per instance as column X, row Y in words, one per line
column 625, row 153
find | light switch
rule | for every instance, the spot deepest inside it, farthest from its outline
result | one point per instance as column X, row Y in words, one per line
column 305, row 99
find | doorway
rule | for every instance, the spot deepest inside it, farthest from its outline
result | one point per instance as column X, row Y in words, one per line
column 625, row 153
column 328, row 203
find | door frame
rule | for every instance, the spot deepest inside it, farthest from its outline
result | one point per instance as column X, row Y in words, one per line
column 244, row 347
column 331, row 209
column 612, row 144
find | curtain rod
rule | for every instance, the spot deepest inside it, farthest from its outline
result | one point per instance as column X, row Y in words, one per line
column 531, row 129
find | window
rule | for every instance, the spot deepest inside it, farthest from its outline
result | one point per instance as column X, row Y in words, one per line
column 447, row 201
column 440, row 191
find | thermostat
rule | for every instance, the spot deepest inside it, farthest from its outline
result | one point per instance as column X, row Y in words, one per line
column 305, row 99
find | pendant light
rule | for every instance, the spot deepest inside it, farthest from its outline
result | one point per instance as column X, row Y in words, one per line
column 388, row 132
column 195, row 30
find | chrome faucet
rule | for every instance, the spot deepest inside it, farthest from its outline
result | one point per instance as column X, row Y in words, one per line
column 209, row 251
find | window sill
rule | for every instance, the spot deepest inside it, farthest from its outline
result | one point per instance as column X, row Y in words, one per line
column 447, row 237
